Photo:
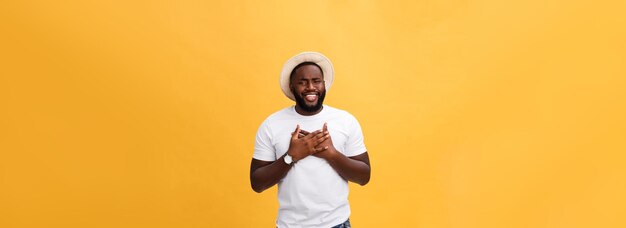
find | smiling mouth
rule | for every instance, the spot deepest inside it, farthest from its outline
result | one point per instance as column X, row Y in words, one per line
column 311, row 97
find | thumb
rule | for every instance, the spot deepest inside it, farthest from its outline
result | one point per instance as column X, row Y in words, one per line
column 325, row 127
column 295, row 134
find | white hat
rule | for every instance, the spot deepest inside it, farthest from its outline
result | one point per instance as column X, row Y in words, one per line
column 314, row 57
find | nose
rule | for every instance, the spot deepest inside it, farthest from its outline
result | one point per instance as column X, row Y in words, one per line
column 309, row 86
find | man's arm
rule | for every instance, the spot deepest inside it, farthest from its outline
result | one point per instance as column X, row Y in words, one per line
column 265, row 174
column 356, row 168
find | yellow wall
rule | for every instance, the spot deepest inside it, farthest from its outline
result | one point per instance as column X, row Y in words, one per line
column 476, row 113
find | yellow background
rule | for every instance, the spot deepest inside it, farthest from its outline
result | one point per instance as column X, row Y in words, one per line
column 476, row 113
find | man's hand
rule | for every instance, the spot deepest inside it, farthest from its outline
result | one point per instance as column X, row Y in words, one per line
column 356, row 168
column 303, row 146
column 327, row 144
column 302, row 133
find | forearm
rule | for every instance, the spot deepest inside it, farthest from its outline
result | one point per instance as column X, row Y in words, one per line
column 350, row 169
column 267, row 176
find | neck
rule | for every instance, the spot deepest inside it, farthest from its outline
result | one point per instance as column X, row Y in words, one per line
column 305, row 113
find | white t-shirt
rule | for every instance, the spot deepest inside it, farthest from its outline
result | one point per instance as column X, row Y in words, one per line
column 312, row 194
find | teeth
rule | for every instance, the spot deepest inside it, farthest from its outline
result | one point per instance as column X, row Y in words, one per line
column 311, row 97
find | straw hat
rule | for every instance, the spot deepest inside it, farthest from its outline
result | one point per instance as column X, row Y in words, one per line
column 314, row 57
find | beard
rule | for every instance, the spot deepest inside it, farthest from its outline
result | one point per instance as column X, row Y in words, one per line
column 300, row 102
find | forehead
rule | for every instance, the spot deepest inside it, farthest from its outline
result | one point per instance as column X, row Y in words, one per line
column 308, row 72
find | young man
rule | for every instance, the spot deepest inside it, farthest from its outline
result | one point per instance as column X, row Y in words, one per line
column 310, row 150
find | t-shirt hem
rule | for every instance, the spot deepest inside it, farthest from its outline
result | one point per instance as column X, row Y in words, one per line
column 356, row 154
column 263, row 158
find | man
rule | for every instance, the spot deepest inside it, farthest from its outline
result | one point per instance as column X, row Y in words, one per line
column 310, row 150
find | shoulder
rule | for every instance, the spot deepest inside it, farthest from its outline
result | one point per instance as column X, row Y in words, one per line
column 278, row 115
column 340, row 113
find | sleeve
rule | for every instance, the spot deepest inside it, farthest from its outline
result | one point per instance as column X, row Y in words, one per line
column 354, row 144
column 263, row 149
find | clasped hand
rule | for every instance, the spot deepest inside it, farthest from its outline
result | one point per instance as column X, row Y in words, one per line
column 317, row 143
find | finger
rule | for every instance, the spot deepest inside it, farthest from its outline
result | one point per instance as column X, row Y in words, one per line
column 312, row 150
column 322, row 135
column 320, row 140
column 296, row 133
column 300, row 135
column 325, row 128
column 303, row 132
column 317, row 150
column 311, row 135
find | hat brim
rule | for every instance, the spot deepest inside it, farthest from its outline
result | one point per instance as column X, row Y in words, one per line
column 314, row 57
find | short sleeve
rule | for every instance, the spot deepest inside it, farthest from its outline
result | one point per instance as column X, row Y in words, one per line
column 263, row 149
column 354, row 144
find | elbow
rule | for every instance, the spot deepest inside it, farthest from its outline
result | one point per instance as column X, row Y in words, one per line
column 257, row 183
column 258, row 188
column 364, row 181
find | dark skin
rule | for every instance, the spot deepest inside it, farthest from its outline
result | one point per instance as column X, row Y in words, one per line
column 308, row 80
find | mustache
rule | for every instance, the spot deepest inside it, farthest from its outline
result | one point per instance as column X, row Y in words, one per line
column 300, row 102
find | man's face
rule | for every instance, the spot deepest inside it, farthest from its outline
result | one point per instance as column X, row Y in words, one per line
column 307, row 86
